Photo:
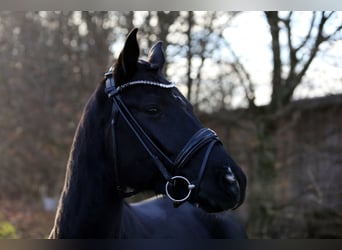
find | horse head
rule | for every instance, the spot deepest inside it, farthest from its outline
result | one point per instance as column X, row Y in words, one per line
column 155, row 142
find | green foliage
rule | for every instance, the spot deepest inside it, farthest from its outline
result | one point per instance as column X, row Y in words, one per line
column 7, row 230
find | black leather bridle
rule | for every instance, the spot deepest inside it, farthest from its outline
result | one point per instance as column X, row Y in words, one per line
column 202, row 137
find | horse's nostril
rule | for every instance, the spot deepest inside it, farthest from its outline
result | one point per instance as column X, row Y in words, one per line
column 229, row 176
column 230, row 185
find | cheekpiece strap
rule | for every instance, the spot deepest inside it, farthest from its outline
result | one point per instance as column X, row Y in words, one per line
column 110, row 89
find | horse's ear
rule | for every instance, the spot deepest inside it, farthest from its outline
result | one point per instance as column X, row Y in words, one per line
column 127, row 63
column 156, row 56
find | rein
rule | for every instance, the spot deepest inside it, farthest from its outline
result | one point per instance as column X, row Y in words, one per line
column 201, row 138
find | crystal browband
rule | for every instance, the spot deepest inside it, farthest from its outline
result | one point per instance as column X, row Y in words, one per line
column 143, row 82
column 111, row 89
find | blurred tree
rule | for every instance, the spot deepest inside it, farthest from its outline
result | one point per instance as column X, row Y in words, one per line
column 195, row 45
column 291, row 60
column 51, row 63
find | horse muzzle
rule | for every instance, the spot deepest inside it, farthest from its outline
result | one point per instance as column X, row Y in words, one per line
column 228, row 194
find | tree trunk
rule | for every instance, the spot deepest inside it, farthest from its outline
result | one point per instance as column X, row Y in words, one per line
column 189, row 56
column 262, row 178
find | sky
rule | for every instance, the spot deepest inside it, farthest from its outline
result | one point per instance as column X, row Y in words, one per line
column 250, row 39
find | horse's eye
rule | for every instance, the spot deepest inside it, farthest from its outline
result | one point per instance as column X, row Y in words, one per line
column 152, row 110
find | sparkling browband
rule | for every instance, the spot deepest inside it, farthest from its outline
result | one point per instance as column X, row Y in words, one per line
column 111, row 89
column 143, row 82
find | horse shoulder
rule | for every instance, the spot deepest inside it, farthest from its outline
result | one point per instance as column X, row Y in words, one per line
column 158, row 218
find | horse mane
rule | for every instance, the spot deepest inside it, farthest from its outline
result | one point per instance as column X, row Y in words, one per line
column 90, row 129
column 86, row 161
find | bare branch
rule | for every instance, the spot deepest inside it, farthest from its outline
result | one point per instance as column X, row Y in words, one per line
column 296, row 73
column 273, row 21
column 292, row 50
column 244, row 77
column 309, row 34
column 313, row 51
column 338, row 28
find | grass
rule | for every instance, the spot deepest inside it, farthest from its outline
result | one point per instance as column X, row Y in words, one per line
column 24, row 220
column 7, row 230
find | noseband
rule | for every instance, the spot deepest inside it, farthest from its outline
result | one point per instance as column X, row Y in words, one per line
column 202, row 137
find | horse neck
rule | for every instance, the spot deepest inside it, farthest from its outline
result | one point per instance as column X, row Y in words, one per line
column 89, row 206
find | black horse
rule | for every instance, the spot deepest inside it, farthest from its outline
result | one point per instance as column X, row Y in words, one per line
column 137, row 133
